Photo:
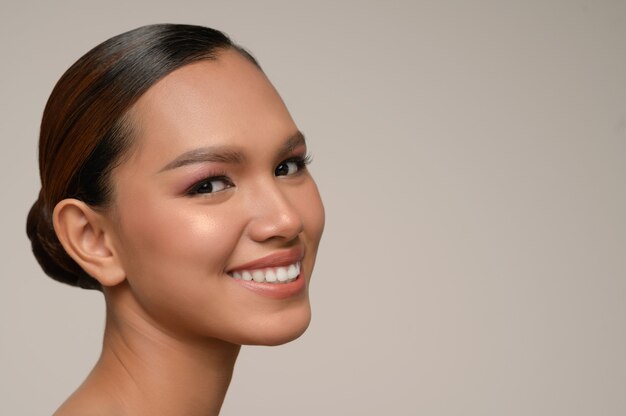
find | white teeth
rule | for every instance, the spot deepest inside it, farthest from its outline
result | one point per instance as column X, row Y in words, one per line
column 258, row 276
column 292, row 271
column 283, row 274
column 270, row 276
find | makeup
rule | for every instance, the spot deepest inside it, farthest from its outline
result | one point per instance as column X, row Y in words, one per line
column 278, row 275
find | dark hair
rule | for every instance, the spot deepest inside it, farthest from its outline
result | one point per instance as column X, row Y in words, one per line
column 85, row 129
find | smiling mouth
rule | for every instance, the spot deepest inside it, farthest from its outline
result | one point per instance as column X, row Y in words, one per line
column 282, row 274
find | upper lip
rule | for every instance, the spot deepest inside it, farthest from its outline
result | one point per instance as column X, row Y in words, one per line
column 276, row 259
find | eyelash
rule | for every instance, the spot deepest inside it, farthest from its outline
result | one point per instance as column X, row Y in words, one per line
column 301, row 163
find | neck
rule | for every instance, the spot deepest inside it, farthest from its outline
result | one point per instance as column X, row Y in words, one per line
column 144, row 369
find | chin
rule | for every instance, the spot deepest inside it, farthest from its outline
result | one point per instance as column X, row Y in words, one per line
column 276, row 330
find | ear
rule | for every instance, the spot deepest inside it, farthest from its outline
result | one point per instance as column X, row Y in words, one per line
column 85, row 236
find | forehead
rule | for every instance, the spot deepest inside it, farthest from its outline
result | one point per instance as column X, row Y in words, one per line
column 227, row 101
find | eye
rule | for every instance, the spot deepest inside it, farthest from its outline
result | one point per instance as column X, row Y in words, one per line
column 292, row 166
column 211, row 185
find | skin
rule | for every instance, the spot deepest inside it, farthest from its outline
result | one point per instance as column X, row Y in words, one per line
column 175, row 318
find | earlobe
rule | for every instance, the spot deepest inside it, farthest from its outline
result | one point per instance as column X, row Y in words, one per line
column 83, row 233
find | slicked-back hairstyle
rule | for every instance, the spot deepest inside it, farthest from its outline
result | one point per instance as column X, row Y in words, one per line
column 85, row 130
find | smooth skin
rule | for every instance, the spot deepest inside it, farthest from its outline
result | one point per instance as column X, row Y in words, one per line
column 177, row 224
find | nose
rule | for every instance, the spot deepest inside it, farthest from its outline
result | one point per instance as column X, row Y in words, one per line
column 274, row 216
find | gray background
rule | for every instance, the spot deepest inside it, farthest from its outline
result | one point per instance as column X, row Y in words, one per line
column 472, row 159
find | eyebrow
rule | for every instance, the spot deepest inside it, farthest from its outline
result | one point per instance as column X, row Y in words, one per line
column 292, row 143
column 228, row 154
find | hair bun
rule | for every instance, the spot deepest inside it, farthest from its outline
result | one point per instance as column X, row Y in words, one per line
column 49, row 252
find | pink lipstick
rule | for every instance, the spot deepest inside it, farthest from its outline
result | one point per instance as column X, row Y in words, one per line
column 277, row 275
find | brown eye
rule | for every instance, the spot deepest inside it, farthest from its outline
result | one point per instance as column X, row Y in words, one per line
column 286, row 168
column 291, row 166
column 210, row 186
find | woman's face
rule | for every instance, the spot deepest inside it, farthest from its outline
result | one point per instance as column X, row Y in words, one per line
column 214, row 203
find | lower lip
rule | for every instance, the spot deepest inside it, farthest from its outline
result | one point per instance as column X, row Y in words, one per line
column 274, row 290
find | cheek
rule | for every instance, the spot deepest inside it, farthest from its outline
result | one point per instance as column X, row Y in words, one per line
column 311, row 208
column 170, row 246
column 174, row 254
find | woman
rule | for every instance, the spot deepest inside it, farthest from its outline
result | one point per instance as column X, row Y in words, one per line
column 174, row 180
